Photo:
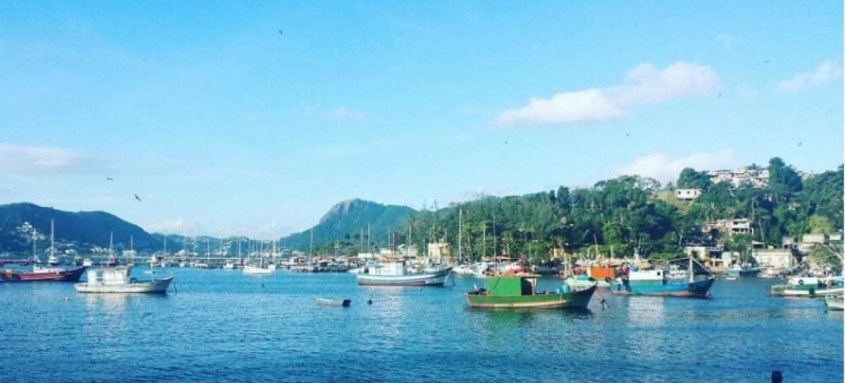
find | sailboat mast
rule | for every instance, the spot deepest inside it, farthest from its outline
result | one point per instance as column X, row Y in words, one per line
column 52, row 244
column 460, row 237
column 311, row 248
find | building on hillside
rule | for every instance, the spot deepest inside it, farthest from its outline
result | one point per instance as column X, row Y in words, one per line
column 784, row 258
column 687, row 194
column 755, row 176
column 711, row 256
column 729, row 227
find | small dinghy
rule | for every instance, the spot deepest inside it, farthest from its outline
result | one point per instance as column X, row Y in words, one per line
column 334, row 302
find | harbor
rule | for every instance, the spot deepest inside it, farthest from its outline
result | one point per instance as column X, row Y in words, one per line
column 218, row 324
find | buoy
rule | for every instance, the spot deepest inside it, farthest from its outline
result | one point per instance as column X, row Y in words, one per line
column 369, row 301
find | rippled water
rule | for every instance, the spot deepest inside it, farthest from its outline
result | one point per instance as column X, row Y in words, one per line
column 226, row 327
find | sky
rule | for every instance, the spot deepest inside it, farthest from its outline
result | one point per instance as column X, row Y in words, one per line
column 254, row 118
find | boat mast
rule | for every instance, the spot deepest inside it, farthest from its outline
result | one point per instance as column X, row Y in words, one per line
column 460, row 229
column 311, row 249
column 52, row 245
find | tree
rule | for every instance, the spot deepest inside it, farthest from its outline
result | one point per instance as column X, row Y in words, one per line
column 784, row 181
column 691, row 179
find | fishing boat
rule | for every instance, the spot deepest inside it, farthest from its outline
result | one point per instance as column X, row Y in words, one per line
column 334, row 302
column 663, row 282
column 119, row 280
column 398, row 273
column 810, row 287
column 834, row 302
column 517, row 291
column 43, row 274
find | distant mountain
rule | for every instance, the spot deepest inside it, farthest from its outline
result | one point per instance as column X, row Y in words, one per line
column 83, row 230
column 346, row 220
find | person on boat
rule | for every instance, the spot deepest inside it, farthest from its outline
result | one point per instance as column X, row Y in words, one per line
column 625, row 272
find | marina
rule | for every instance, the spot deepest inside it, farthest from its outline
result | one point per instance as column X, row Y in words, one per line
column 277, row 332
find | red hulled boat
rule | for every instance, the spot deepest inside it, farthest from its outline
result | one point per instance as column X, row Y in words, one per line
column 43, row 274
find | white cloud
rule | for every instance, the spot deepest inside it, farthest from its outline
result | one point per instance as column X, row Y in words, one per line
column 644, row 84
column 39, row 159
column 666, row 169
column 826, row 72
column 176, row 226
column 339, row 114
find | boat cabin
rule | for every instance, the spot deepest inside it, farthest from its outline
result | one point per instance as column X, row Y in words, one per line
column 512, row 285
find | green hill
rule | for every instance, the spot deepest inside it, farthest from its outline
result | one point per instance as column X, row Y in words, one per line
column 81, row 229
column 345, row 221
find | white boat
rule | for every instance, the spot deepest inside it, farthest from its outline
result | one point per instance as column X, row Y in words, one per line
column 396, row 273
column 259, row 270
column 811, row 287
column 229, row 265
column 334, row 302
column 118, row 280
column 834, row 302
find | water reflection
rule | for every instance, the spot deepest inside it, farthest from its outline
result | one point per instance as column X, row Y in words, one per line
column 646, row 311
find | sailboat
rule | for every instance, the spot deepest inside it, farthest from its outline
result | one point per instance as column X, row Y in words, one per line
column 112, row 261
column 261, row 268
column 40, row 273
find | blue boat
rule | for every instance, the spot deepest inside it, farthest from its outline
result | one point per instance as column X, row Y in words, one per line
column 662, row 282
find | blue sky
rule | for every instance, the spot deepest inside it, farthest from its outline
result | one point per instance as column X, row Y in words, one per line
column 224, row 125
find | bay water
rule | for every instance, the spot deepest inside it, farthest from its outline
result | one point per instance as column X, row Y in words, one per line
column 223, row 326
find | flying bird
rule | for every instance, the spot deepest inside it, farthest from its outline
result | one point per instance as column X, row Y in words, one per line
column 799, row 143
column 138, row 198
column 109, row 179
column 280, row 32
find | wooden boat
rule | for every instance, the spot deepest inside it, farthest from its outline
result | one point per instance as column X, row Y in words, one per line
column 662, row 282
column 43, row 274
column 334, row 302
column 517, row 291
column 810, row 287
column 398, row 274
column 118, row 280
column 834, row 302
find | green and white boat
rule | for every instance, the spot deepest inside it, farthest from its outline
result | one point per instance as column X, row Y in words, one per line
column 519, row 291
column 811, row 287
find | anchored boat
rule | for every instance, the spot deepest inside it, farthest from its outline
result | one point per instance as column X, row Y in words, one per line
column 663, row 282
column 518, row 291
column 809, row 287
column 118, row 280
column 43, row 274
column 399, row 274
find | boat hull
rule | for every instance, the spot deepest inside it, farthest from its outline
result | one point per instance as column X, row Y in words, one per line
column 422, row 279
column 834, row 302
column 696, row 289
column 150, row 287
column 576, row 299
column 334, row 302
column 71, row 275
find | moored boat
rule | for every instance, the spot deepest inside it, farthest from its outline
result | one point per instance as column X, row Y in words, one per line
column 334, row 302
column 518, row 291
column 810, row 287
column 43, row 274
column 663, row 282
column 834, row 302
column 397, row 273
column 119, row 280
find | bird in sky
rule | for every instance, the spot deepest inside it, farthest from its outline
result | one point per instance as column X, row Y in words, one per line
column 109, row 179
column 280, row 32
column 138, row 198
column 799, row 143
column 627, row 135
